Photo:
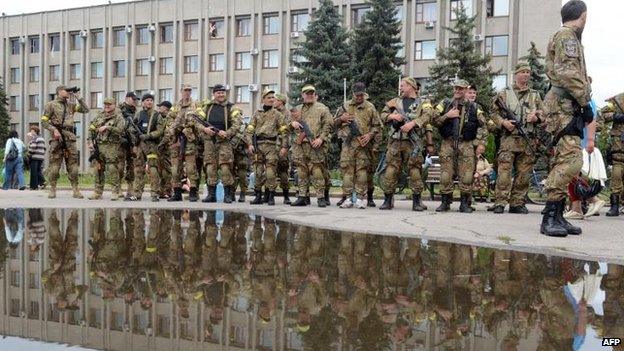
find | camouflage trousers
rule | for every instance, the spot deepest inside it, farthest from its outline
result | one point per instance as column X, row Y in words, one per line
column 283, row 172
column 398, row 154
column 515, row 157
column 617, row 172
column 164, row 171
column 311, row 168
column 460, row 163
column 192, row 162
column 107, row 168
column 176, row 165
column 143, row 157
column 354, row 164
column 56, row 157
column 218, row 161
column 265, row 166
column 372, row 167
column 241, row 168
column 125, row 167
column 565, row 165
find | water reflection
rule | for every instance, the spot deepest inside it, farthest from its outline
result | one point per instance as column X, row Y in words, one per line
column 179, row 280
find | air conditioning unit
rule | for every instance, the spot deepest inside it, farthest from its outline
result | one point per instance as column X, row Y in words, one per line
column 430, row 24
column 478, row 37
column 253, row 87
column 254, row 51
column 83, row 33
column 227, row 87
column 151, row 28
column 295, row 34
column 22, row 40
column 151, row 59
column 128, row 29
column 293, row 69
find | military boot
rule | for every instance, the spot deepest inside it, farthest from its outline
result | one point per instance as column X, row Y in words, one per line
column 326, row 198
column 271, row 200
column 307, row 200
column 388, row 203
column 258, row 199
column 497, row 208
column 177, row 195
column 614, row 210
column 228, row 194
column 417, row 204
column 241, row 196
column 76, row 192
column 341, row 201
column 445, row 206
column 370, row 202
column 570, row 229
column 301, row 201
column 212, row 194
column 97, row 195
column 550, row 226
column 193, row 197
column 265, row 198
column 464, row 206
column 321, row 202
column 286, row 198
column 518, row 209
column 52, row 191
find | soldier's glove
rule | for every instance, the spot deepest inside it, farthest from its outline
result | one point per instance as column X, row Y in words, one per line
column 587, row 113
column 618, row 118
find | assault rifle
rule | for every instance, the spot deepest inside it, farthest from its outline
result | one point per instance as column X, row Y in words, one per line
column 207, row 124
column 510, row 116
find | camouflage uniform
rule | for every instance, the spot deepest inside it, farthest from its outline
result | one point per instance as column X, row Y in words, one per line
column 267, row 128
column 241, row 162
column 514, row 152
column 613, row 113
column 59, row 115
column 130, row 137
column 283, row 164
column 108, row 146
column 152, row 127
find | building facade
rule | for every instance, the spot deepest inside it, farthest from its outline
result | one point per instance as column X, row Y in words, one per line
column 156, row 45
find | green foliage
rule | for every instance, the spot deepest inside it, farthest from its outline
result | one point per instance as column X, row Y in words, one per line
column 372, row 334
column 462, row 60
column 376, row 45
column 323, row 331
column 539, row 80
column 5, row 119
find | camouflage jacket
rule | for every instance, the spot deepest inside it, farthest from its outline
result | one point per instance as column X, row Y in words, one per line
column 520, row 102
column 194, row 130
column 366, row 118
column 176, row 120
column 59, row 115
column 421, row 112
column 317, row 116
column 612, row 113
column 115, row 123
column 267, row 126
column 287, row 119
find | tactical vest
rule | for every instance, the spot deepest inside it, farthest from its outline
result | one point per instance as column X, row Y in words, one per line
column 218, row 116
column 468, row 114
column 520, row 107
column 147, row 124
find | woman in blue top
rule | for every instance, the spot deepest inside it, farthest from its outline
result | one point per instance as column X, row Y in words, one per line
column 14, row 161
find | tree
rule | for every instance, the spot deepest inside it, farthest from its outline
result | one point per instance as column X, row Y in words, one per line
column 325, row 57
column 461, row 60
column 5, row 119
column 376, row 47
column 323, row 331
column 539, row 80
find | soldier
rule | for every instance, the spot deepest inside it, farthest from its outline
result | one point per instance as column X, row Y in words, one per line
column 358, row 123
column 130, row 138
column 164, row 162
column 407, row 117
column 241, row 162
column 181, row 153
column 312, row 121
column 458, row 121
column 283, row 164
column 263, row 135
column 150, row 125
column 215, row 123
column 58, row 119
column 105, row 133
column 515, row 152
column 567, row 111
column 614, row 112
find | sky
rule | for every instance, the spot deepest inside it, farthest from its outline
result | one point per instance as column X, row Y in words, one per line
column 604, row 47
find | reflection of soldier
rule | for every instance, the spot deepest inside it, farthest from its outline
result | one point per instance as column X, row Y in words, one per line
column 614, row 112
column 613, row 305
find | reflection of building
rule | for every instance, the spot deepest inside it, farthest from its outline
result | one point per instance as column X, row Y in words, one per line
column 156, row 45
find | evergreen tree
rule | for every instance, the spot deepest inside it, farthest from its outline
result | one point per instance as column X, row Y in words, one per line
column 376, row 45
column 539, row 80
column 326, row 57
column 5, row 119
column 323, row 331
column 461, row 60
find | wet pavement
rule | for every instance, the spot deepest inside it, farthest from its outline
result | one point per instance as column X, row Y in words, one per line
column 156, row 279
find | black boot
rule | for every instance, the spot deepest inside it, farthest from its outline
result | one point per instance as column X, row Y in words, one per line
column 265, row 198
column 258, row 199
column 342, row 200
column 241, row 197
column 228, row 194
column 445, row 206
column 193, row 194
column 370, row 202
column 286, row 198
column 177, row 195
column 271, row 199
column 417, row 203
column 212, row 194
column 570, row 229
column 550, row 226
column 300, row 202
column 388, row 203
column 497, row 208
column 307, row 200
column 614, row 210
column 321, row 202
column 519, row 209
column 464, row 205
column 326, row 198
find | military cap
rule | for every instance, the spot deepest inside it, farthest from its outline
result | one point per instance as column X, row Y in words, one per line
column 308, row 88
column 109, row 101
column 461, row 83
column 281, row 97
column 411, row 81
column 218, row 87
column 186, row 87
column 359, row 88
column 147, row 96
column 165, row 103
column 131, row 94
column 61, row 87
column 267, row 91
column 522, row 66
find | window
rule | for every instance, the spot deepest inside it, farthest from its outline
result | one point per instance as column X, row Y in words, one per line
column 15, row 46
column 458, row 4
column 97, row 70
column 97, row 100
column 119, row 68
column 97, row 39
column 299, row 22
column 33, row 311
column 15, row 75
column 33, row 281
column 427, row 12
column 33, row 74
column 190, row 31
column 162, row 325
column 142, row 67
column 75, row 41
column 190, row 64
column 497, row 8
column 165, row 94
column 297, row 58
column 15, row 278
column 34, row 45
column 357, row 16
column 33, row 102
column 242, row 94
column 496, row 46
column 75, row 71
column 217, row 62
column 166, row 33
column 33, row 256
column 217, row 28
column 143, row 35
column 195, row 94
column 270, row 59
column 15, row 307
column 119, row 37
column 166, row 65
column 55, row 42
column 119, row 96
column 272, row 86
column 271, row 24
column 243, row 27
column 399, row 16
column 55, row 72
column 243, row 60
column 499, row 82
column 425, row 50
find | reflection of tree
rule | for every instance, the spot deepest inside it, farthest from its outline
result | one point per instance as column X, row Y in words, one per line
column 323, row 332
column 372, row 334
